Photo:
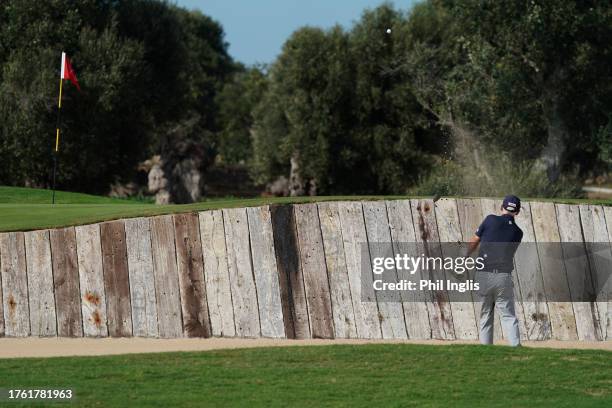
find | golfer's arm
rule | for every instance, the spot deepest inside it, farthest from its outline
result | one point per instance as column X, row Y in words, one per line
column 473, row 244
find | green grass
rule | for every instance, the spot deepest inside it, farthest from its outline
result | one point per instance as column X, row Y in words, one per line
column 23, row 209
column 340, row 375
column 20, row 195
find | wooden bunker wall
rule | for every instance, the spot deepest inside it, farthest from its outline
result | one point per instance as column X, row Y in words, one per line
column 287, row 271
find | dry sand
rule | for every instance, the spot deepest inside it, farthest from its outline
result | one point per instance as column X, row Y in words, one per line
column 53, row 347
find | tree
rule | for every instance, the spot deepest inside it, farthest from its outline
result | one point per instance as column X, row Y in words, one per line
column 93, row 148
column 236, row 102
column 538, row 73
column 310, row 84
column 146, row 68
column 391, row 129
column 337, row 118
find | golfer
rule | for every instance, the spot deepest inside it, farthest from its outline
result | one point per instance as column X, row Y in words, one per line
column 499, row 238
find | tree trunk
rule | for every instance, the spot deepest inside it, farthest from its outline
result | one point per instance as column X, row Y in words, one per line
column 313, row 187
column 551, row 157
column 296, row 182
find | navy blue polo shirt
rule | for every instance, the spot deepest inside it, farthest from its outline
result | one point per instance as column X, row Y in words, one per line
column 499, row 240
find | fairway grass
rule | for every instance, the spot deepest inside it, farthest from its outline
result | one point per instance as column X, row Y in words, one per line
column 25, row 217
column 21, row 195
column 339, row 375
column 24, row 209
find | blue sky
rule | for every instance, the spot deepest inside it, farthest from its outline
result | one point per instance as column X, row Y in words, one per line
column 257, row 29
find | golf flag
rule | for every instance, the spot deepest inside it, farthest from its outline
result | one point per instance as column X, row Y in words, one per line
column 68, row 71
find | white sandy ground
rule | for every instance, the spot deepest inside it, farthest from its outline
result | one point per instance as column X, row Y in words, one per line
column 54, row 347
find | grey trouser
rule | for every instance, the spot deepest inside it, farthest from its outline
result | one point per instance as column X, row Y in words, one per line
column 497, row 289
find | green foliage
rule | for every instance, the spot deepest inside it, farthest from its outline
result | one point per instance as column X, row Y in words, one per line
column 518, row 79
column 305, row 110
column 444, row 179
column 603, row 145
column 356, row 110
column 269, row 131
column 236, row 101
column 145, row 68
column 533, row 72
column 502, row 176
column 334, row 105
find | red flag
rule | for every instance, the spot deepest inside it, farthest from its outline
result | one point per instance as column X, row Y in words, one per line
column 68, row 71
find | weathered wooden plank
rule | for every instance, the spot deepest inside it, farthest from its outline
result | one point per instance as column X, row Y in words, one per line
column 578, row 270
column 392, row 323
column 169, row 318
column 14, row 284
column 470, row 216
column 66, row 282
column 608, row 216
column 354, row 236
column 529, row 277
column 291, row 279
column 244, row 292
column 142, row 279
column 265, row 271
column 607, row 288
column 191, row 275
column 91, row 280
column 316, row 283
column 428, row 243
column 116, row 279
column 563, row 322
column 1, row 298
column 43, row 321
column 490, row 206
column 340, row 291
column 218, row 292
column 404, row 242
column 449, row 230
column 600, row 258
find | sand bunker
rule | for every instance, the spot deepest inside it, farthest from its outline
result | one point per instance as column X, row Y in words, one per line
column 53, row 347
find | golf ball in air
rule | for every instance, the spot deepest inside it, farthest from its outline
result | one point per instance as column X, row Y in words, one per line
column 388, row 31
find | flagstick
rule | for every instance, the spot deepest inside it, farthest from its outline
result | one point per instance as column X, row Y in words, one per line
column 57, row 135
